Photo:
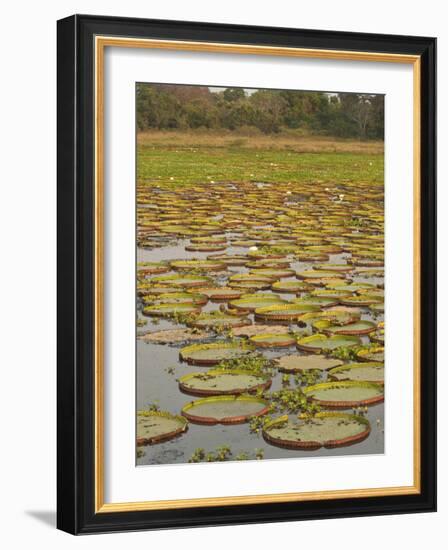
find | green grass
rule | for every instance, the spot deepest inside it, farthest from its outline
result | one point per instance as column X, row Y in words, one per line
column 177, row 165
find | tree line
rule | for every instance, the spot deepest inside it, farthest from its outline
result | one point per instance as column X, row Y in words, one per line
column 271, row 111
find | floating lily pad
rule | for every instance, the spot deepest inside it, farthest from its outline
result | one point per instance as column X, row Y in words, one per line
column 254, row 330
column 174, row 336
column 271, row 340
column 371, row 354
column 366, row 372
column 181, row 281
column 321, row 342
column 297, row 363
column 212, row 354
column 377, row 307
column 363, row 300
column 346, row 394
column 250, row 285
column 156, row 427
column 290, row 287
column 377, row 336
column 253, row 302
column 229, row 259
column 355, row 329
column 274, row 274
column 202, row 265
column 169, row 310
column 152, row 268
column 221, row 293
column 315, row 274
column 206, row 247
column 325, row 429
column 177, row 298
column 225, row 409
column 223, row 382
column 283, row 312
column 320, row 301
column 216, row 319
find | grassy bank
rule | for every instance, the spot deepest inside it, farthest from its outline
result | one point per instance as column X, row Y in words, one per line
column 182, row 157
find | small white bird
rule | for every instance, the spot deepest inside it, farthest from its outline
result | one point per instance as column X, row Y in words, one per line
column 253, row 248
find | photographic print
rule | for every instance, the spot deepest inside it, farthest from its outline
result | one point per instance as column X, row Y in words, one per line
column 260, row 274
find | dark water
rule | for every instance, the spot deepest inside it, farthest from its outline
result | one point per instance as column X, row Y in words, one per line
column 155, row 384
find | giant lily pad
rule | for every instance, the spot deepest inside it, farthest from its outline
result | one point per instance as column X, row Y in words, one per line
column 371, row 354
column 170, row 310
column 202, row 265
column 223, row 382
column 290, row 287
column 271, row 340
column 156, row 427
column 251, row 303
column 225, row 409
column 366, row 372
column 254, row 330
column 346, row 394
column 174, row 336
column 221, row 293
column 215, row 319
column 177, row 298
column 283, row 312
column 181, row 281
column 356, row 329
column 212, row 354
column 325, row 429
column 297, row 363
column 318, row 343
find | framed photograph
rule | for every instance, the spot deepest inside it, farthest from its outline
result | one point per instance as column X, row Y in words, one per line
column 246, row 274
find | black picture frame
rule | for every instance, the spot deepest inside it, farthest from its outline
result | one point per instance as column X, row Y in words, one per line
column 76, row 255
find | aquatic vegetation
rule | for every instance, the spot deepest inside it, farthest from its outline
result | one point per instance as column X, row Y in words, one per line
column 225, row 409
column 320, row 343
column 296, row 363
column 246, row 271
column 366, row 372
column 222, row 382
column 324, row 429
column 345, row 394
column 212, row 354
column 156, row 426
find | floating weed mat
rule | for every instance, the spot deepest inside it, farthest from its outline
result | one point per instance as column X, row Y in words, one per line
column 271, row 340
column 364, row 372
column 174, row 336
column 157, row 427
column 346, row 394
column 296, row 363
column 225, row 409
column 212, row 354
column 319, row 343
column 223, row 382
column 325, row 429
